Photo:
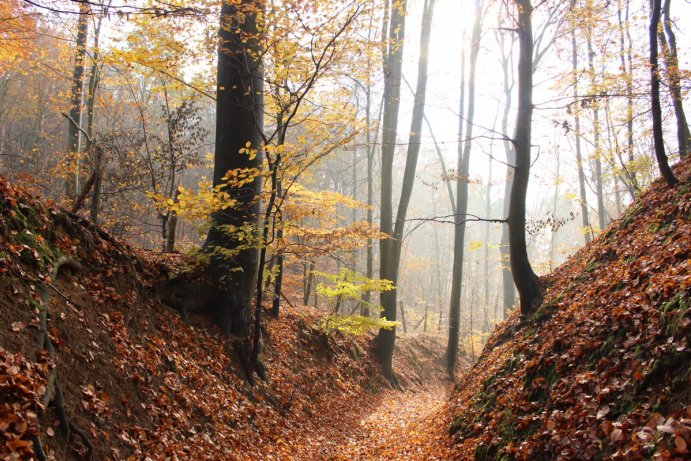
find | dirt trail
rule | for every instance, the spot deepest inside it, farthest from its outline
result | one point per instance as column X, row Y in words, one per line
column 403, row 426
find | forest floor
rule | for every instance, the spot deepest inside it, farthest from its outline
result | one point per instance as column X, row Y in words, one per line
column 404, row 426
column 141, row 384
column 601, row 369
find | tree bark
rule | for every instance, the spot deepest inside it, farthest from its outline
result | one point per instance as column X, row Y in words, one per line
column 626, row 66
column 390, row 249
column 239, row 112
column 671, row 56
column 463, row 169
column 601, row 212
column 587, row 229
column 385, row 340
column 172, row 225
column 658, row 140
column 526, row 280
column 94, row 80
column 76, row 92
column 508, row 288
column 403, row 322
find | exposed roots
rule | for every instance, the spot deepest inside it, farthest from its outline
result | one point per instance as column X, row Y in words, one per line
column 53, row 395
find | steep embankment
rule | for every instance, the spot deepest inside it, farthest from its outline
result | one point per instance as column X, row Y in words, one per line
column 602, row 369
column 133, row 379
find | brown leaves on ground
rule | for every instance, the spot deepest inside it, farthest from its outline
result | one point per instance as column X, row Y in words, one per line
column 22, row 383
column 144, row 385
column 601, row 370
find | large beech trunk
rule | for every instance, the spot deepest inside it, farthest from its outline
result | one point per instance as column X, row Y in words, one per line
column 233, row 262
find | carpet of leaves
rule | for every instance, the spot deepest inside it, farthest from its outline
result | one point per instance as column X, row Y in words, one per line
column 601, row 369
column 144, row 385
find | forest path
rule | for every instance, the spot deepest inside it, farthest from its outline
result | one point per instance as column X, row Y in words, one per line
column 404, row 425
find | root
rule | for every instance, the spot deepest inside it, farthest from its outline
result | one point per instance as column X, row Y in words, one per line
column 53, row 395
column 38, row 449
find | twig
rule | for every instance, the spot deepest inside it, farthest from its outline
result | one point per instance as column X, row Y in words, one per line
column 76, row 125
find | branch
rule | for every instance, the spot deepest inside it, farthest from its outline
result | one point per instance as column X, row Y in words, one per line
column 76, row 125
column 447, row 219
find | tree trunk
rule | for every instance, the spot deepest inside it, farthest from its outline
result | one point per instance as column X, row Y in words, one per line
column 555, row 201
column 403, row 322
column 309, row 279
column 463, row 168
column 587, row 229
column 626, row 60
column 172, row 225
column 387, row 246
column 526, row 280
column 94, row 80
column 659, row 142
column 595, row 101
column 77, row 89
column 239, row 112
column 672, row 63
column 508, row 288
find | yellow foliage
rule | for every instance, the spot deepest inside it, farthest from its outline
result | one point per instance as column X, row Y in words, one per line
column 17, row 32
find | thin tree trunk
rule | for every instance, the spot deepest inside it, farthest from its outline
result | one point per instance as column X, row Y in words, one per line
column 278, row 220
column 587, row 229
column 526, row 280
column 626, row 59
column 424, row 329
column 671, row 56
column 172, row 225
column 463, row 167
column 309, row 279
column 73, row 133
column 94, row 80
column 403, row 322
column 555, row 200
column 508, row 288
column 659, row 142
column 597, row 150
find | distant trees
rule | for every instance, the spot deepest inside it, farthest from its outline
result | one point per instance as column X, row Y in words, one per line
column 294, row 111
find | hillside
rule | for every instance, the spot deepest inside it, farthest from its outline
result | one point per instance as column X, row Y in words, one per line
column 602, row 369
column 136, row 381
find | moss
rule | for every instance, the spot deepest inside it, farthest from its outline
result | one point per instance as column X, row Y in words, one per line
column 37, row 250
column 540, row 391
column 592, row 265
column 485, row 398
column 628, row 217
column 547, row 309
column 603, row 351
column 676, row 364
column 506, row 432
column 489, row 452
column 30, row 229
column 672, row 312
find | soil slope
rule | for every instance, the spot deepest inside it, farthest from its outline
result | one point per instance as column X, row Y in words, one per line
column 138, row 383
column 601, row 370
